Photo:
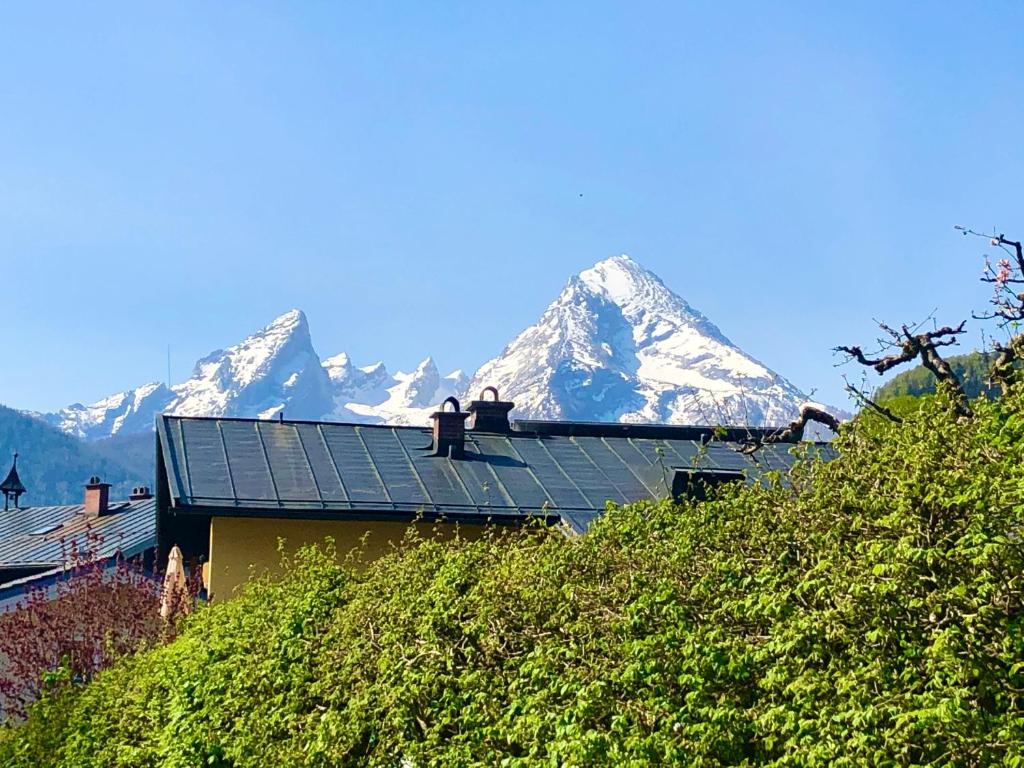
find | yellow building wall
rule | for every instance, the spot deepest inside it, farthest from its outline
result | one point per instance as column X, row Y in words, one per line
column 241, row 547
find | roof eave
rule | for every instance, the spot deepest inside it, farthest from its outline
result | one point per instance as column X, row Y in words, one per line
column 469, row 516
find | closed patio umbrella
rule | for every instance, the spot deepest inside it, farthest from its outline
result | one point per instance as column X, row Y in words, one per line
column 174, row 595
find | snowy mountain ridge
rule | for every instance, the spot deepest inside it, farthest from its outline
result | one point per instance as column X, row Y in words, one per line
column 615, row 345
column 275, row 369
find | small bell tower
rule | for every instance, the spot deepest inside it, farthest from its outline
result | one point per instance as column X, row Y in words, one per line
column 12, row 487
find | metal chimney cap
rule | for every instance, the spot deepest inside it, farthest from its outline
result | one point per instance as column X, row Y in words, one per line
column 453, row 415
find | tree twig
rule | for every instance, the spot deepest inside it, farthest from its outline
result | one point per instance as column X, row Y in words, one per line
column 866, row 401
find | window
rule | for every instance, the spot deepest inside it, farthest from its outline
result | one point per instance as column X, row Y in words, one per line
column 695, row 483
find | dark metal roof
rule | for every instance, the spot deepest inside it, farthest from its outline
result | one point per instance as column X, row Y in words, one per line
column 42, row 536
column 319, row 469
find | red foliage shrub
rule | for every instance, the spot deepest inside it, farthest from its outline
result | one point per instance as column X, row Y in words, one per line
column 94, row 612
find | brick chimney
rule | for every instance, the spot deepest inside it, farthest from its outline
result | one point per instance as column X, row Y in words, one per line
column 449, row 430
column 490, row 415
column 140, row 493
column 97, row 497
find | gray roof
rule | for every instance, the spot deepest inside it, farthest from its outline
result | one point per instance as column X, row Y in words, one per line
column 319, row 469
column 42, row 536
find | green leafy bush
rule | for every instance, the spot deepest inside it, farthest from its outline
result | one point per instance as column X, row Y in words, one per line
column 866, row 611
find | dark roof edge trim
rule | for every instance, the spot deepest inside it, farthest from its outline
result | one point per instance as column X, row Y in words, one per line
column 643, row 431
column 473, row 517
column 175, row 491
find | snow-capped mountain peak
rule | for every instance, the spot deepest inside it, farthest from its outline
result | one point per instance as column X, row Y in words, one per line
column 409, row 398
column 618, row 345
column 416, row 389
column 636, row 290
column 374, row 369
column 621, row 280
column 339, row 368
column 249, row 360
column 274, row 367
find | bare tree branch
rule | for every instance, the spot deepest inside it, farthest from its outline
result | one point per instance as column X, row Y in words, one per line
column 1008, row 304
column 794, row 430
column 881, row 364
column 1001, row 241
column 866, row 401
column 914, row 345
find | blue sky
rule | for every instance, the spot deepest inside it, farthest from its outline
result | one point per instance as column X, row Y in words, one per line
column 410, row 174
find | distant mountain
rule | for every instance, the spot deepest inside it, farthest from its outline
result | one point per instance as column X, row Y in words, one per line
column 616, row 345
column 272, row 370
column 371, row 394
column 55, row 466
column 135, row 452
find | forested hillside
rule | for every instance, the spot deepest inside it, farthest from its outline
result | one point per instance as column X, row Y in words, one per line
column 972, row 370
column 867, row 612
column 55, row 466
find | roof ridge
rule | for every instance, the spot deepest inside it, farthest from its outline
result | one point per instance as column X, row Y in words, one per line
column 249, row 420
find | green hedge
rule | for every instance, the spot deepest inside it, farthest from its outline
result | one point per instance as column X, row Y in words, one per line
column 866, row 613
